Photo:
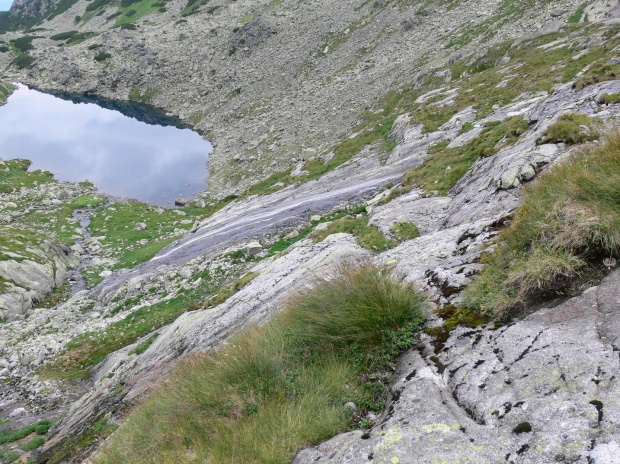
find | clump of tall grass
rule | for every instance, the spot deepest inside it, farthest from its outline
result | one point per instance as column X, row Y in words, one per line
column 568, row 222
column 570, row 128
column 275, row 389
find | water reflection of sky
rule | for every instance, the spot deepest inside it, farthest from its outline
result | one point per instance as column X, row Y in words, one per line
column 125, row 157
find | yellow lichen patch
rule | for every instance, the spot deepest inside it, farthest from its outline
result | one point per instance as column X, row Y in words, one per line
column 430, row 428
column 393, row 435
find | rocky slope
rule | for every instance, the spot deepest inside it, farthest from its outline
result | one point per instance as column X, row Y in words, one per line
column 306, row 71
column 328, row 62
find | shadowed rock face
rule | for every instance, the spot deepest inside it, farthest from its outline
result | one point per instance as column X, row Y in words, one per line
column 541, row 390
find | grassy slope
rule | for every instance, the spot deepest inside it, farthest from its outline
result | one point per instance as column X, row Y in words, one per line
column 275, row 389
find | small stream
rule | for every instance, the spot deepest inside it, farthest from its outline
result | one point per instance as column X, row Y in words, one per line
column 74, row 276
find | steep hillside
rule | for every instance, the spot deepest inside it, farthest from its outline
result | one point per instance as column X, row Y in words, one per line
column 272, row 82
column 389, row 133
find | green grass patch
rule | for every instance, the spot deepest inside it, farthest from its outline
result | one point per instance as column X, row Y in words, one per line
column 118, row 223
column 445, row 166
column 145, row 97
column 133, row 10
column 89, row 349
column 142, row 347
column 609, row 99
column 10, row 457
column 466, row 128
column 369, row 236
column 33, row 444
column 601, row 71
column 97, row 430
column 228, row 291
column 5, row 90
column 41, row 428
column 274, row 390
column 405, row 231
column 576, row 16
column 572, row 129
column 57, row 297
column 193, row 6
column 567, row 223
column 96, row 4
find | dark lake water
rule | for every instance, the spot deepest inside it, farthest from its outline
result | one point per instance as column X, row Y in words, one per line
column 153, row 161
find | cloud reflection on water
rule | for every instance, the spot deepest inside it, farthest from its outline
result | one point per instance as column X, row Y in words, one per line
column 124, row 156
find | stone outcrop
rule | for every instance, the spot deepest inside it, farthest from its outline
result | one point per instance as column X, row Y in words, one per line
column 541, row 390
column 28, row 280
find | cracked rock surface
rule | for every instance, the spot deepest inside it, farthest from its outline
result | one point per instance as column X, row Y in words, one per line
column 541, row 390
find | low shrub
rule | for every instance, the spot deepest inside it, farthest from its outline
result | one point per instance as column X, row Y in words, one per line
column 96, row 4
column 568, row 221
column 64, row 35
column 275, row 389
column 24, row 44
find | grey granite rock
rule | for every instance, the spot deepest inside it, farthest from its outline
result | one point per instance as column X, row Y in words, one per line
column 541, row 390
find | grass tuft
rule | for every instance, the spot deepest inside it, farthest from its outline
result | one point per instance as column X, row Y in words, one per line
column 570, row 128
column 567, row 223
column 369, row 236
column 609, row 99
column 275, row 389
